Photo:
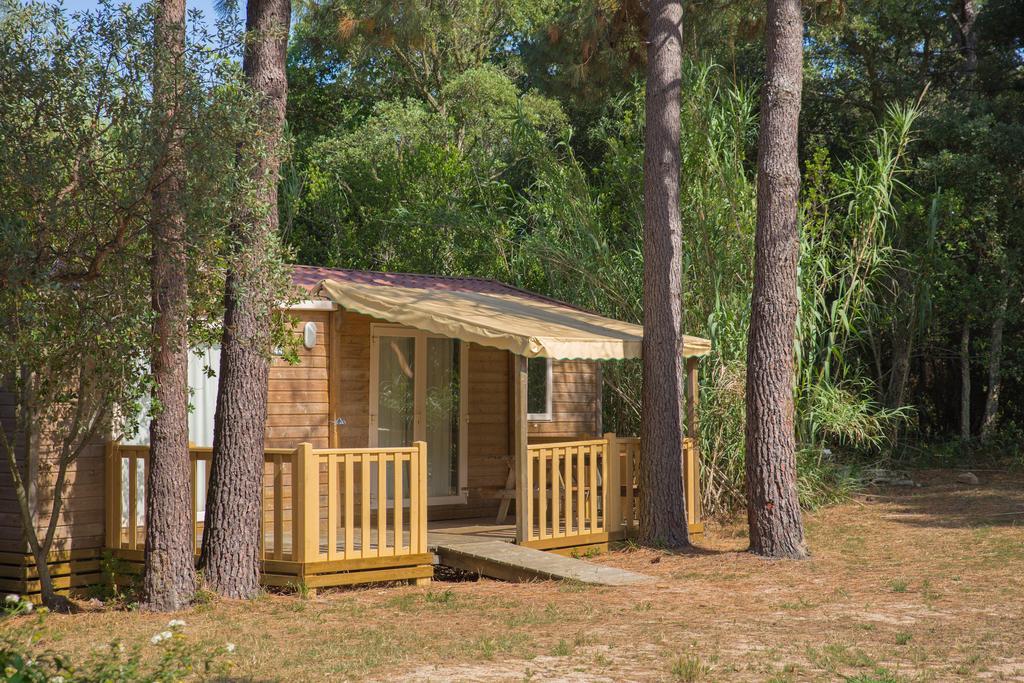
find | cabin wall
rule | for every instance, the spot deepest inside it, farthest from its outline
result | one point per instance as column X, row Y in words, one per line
column 298, row 396
column 575, row 403
column 81, row 523
column 11, row 539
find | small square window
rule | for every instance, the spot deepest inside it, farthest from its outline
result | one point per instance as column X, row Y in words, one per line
column 538, row 389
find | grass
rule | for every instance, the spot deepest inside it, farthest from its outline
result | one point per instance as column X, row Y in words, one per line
column 721, row 614
column 898, row 585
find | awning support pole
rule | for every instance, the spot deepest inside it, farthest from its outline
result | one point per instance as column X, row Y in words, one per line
column 519, row 441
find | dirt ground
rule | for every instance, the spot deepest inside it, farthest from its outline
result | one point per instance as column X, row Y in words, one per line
column 910, row 584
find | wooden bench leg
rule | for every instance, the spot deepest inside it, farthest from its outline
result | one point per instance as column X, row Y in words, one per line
column 507, row 496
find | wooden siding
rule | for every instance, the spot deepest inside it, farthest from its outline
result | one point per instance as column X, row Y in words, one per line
column 81, row 524
column 575, row 403
column 11, row 539
column 298, row 396
column 351, row 379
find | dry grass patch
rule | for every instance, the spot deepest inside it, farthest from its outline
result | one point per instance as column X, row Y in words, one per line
column 903, row 585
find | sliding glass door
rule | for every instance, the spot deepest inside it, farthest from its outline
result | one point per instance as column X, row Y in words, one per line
column 417, row 394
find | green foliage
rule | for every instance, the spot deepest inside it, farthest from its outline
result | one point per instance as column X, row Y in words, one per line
column 77, row 157
column 23, row 658
column 413, row 189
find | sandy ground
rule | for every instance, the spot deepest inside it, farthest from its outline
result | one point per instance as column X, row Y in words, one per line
column 911, row 584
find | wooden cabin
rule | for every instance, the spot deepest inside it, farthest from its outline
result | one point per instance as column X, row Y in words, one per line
column 418, row 403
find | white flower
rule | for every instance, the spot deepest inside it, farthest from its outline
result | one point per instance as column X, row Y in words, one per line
column 12, row 598
column 176, row 623
column 28, row 606
column 230, row 647
column 57, row 679
column 163, row 635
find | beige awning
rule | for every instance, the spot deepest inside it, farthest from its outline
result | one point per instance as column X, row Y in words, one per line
column 512, row 320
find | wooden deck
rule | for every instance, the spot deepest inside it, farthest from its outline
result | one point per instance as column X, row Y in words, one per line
column 335, row 517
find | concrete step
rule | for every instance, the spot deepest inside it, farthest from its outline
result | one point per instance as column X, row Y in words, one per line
column 510, row 562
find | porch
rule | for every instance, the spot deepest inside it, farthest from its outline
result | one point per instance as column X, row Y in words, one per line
column 334, row 517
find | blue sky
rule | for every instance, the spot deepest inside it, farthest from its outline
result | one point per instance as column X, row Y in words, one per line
column 205, row 6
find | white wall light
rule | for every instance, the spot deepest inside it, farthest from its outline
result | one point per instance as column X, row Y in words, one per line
column 309, row 335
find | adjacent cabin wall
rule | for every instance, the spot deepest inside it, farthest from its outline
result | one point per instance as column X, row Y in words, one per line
column 82, row 518
column 11, row 539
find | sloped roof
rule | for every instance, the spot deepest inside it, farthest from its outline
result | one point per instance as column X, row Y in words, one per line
column 483, row 311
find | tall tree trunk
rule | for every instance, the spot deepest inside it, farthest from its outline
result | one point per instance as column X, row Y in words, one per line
column 663, row 503
column 903, row 339
column 995, row 359
column 773, row 508
column 965, row 14
column 231, row 543
column 170, row 577
column 965, row 383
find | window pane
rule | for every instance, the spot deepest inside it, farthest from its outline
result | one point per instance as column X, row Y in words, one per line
column 537, row 386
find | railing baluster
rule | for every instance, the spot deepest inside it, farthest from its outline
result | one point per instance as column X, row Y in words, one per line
column 133, row 504
column 556, row 494
column 581, row 485
column 593, row 488
column 542, row 496
column 528, row 493
column 332, row 507
column 421, row 452
column 382, row 504
column 192, row 465
column 350, row 534
column 414, row 504
column 399, row 496
column 364, row 484
column 569, row 485
column 277, row 472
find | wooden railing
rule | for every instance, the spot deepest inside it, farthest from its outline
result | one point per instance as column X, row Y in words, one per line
column 369, row 502
column 565, row 489
column 325, row 506
column 628, row 448
column 585, row 492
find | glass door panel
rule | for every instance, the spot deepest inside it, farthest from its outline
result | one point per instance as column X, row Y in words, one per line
column 442, row 416
column 395, row 391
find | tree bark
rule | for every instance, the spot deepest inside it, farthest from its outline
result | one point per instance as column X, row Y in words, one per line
column 663, row 501
column 995, row 379
column 965, row 383
column 773, row 508
column 965, row 14
column 903, row 339
column 170, row 577
column 230, row 557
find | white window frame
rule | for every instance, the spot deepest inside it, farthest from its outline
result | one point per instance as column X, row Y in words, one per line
column 548, row 414
column 419, row 426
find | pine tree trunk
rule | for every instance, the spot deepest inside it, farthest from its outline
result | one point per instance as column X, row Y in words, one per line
column 903, row 341
column 230, row 558
column 965, row 383
column 773, row 509
column 995, row 378
column 170, row 577
column 663, row 497
column 966, row 15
